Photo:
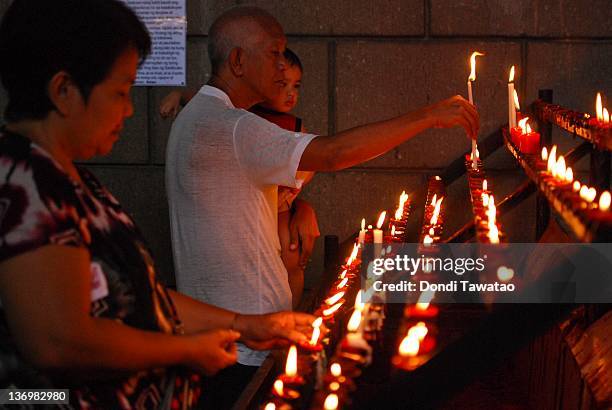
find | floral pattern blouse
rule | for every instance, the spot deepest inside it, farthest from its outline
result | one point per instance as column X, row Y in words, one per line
column 41, row 205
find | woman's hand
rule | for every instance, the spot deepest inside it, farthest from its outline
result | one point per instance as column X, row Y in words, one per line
column 170, row 104
column 212, row 351
column 274, row 330
column 452, row 112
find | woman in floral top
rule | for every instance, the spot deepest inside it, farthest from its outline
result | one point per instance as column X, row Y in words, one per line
column 82, row 307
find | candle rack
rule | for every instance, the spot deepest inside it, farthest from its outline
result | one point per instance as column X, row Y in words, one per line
column 476, row 177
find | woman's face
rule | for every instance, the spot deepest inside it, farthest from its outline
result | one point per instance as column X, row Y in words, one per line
column 290, row 91
column 96, row 125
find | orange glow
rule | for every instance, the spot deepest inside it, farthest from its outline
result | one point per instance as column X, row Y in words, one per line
column 511, row 76
column 291, row 364
column 270, row 406
column 330, row 311
column 516, row 101
column 334, row 386
column 354, row 321
column 420, row 330
column 409, row 346
column 381, row 219
column 334, row 299
column 576, row 186
column 331, row 402
column 591, row 195
column 598, row 107
column 336, row 370
column 472, row 76
column 584, row 192
column 544, row 154
column 604, row 201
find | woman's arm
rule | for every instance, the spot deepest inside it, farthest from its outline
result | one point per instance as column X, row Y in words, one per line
column 46, row 297
column 257, row 331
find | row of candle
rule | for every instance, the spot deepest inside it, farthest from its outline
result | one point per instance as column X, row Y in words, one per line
column 433, row 217
column 561, row 177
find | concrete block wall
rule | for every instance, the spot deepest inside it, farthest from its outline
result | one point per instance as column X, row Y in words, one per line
column 367, row 61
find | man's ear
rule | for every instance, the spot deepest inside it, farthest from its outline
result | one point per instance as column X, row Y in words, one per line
column 236, row 61
column 63, row 93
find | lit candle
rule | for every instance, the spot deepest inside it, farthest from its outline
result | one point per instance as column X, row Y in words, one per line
column 471, row 79
column 283, row 392
column 598, row 107
column 576, row 186
column 378, row 233
column 331, row 402
column 511, row 108
column 544, row 154
column 362, row 232
column 329, row 312
column 291, row 377
column 399, row 213
column 436, row 212
column 423, row 308
column 606, row 116
column 334, row 299
column 604, row 201
column 552, row 159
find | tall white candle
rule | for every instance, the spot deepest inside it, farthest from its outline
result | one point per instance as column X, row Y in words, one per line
column 362, row 232
column 511, row 107
column 472, row 78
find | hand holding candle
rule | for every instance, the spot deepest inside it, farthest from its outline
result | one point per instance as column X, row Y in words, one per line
column 471, row 79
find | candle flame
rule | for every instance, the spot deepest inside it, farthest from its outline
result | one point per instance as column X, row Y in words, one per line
column 332, row 310
column 569, row 175
column 606, row 116
column 511, row 77
column 359, row 305
column 270, row 406
column 472, row 76
column 431, row 232
column 354, row 321
column 331, row 402
column 318, row 321
column 343, row 274
column 493, row 234
column 420, row 330
column 552, row 159
column 334, row 386
column 353, row 255
column 516, row 101
column 477, row 155
column 409, row 345
column 436, row 212
column 425, row 299
column 485, row 185
column 576, row 186
column 598, row 107
column 402, row 202
column 291, row 364
column 485, row 200
column 334, row 299
column 336, row 369
column 523, row 125
column 559, row 169
column 393, row 230
column 592, row 194
column 528, row 129
column 604, row 201
column 381, row 219
column 584, row 192
column 434, row 199
column 342, row 283
column 278, row 388
column 363, row 224
column 544, row 154
column 427, row 240
column 316, row 332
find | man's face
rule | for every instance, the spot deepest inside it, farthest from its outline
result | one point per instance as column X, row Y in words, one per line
column 265, row 65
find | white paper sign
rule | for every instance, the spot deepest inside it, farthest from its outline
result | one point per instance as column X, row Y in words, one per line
column 166, row 21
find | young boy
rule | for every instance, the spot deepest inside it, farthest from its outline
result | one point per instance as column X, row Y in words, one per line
column 277, row 112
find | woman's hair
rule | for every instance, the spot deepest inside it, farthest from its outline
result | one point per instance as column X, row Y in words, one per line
column 84, row 38
column 293, row 59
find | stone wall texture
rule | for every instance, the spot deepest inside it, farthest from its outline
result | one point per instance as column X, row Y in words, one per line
column 366, row 61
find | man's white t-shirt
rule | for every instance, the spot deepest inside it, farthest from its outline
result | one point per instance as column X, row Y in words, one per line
column 223, row 168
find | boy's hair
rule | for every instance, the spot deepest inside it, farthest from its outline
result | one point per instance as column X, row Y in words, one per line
column 293, row 59
column 39, row 38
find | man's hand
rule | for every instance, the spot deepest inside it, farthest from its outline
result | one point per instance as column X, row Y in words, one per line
column 170, row 104
column 212, row 350
column 263, row 332
column 303, row 228
column 452, row 112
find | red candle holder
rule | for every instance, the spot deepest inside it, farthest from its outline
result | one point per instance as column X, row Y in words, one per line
column 285, row 393
column 530, row 143
column 278, row 403
column 313, row 348
column 291, row 381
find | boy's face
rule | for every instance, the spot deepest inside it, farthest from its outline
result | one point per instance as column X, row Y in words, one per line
column 287, row 99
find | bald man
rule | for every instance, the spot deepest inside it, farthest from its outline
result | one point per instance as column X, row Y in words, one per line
column 224, row 166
